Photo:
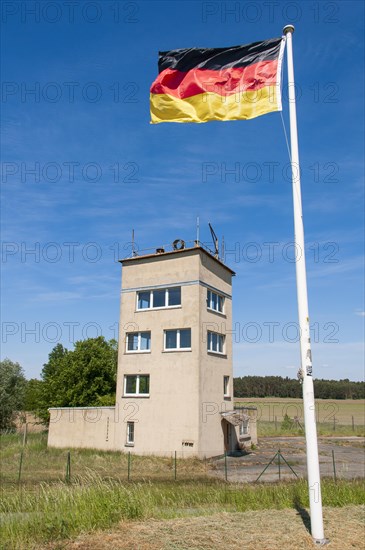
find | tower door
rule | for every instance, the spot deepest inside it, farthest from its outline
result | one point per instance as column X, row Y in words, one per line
column 227, row 431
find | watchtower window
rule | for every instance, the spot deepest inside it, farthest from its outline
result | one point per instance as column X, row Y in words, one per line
column 215, row 301
column 178, row 339
column 138, row 342
column 215, row 342
column 137, row 384
column 159, row 298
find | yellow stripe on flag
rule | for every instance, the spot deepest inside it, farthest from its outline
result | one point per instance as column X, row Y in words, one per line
column 211, row 106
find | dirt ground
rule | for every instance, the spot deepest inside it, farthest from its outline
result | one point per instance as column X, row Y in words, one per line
column 348, row 455
column 263, row 530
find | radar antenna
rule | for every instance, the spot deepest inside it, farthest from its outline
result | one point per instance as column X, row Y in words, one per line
column 215, row 241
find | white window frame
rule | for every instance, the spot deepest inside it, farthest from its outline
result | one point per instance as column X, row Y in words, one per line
column 138, row 350
column 226, row 381
column 151, row 306
column 177, row 330
column 210, row 342
column 137, row 394
column 210, row 306
column 130, row 432
column 245, row 428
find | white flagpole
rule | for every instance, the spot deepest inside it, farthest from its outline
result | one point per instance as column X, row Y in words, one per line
column 314, row 479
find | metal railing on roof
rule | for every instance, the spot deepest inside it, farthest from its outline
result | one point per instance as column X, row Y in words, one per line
column 178, row 244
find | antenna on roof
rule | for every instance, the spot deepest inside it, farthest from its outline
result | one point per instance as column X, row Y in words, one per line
column 215, row 241
column 133, row 244
column 197, row 230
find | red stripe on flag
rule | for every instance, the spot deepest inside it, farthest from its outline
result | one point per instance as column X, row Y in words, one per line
column 224, row 82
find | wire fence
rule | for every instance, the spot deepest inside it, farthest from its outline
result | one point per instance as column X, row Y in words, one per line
column 30, row 462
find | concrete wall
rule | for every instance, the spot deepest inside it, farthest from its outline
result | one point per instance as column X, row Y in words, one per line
column 213, row 367
column 245, row 441
column 29, row 421
column 89, row 427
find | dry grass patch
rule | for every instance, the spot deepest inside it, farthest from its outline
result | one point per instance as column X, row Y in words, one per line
column 254, row 530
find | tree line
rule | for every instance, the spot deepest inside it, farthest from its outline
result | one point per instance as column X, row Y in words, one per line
column 277, row 386
column 86, row 377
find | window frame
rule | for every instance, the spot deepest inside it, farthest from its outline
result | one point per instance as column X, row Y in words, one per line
column 226, row 384
column 137, row 393
column 130, row 431
column 210, row 341
column 138, row 350
column 178, row 339
column 244, row 428
column 220, row 299
column 151, row 298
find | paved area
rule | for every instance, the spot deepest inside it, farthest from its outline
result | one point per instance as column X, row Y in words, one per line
column 348, row 454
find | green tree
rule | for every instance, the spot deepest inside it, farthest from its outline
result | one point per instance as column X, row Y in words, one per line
column 84, row 377
column 276, row 386
column 12, row 389
column 33, row 395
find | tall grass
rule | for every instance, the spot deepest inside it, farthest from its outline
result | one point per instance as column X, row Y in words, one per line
column 31, row 517
column 267, row 429
column 33, row 513
column 44, row 464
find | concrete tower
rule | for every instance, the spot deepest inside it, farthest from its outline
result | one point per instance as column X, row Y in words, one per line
column 175, row 353
column 175, row 378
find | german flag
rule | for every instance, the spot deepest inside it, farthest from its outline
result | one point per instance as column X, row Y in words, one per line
column 198, row 85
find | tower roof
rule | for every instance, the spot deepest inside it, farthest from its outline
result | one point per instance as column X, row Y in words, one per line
column 161, row 253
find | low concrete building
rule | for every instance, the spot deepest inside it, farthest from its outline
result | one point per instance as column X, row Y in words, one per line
column 28, row 422
column 175, row 376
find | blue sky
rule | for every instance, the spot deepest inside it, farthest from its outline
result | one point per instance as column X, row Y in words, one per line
column 82, row 166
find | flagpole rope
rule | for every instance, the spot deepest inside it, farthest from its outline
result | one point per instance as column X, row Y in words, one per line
column 288, row 147
column 281, row 112
column 286, row 135
column 283, row 123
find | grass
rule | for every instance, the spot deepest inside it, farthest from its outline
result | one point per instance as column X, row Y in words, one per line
column 267, row 429
column 335, row 417
column 42, row 464
column 56, row 512
column 340, row 412
column 44, row 508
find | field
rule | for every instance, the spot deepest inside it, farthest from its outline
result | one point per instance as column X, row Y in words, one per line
column 335, row 416
column 99, row 508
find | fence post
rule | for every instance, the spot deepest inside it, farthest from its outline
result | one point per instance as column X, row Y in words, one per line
column 279, row 465
column 129, row 465
column 276, row 423
column 334, row 466
column 272, row 461
column 20, row 465
column 225, row 466
column 25, row 434
column 68, row 467
column 334, row 423
column 353, row 424
column 175, row 472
